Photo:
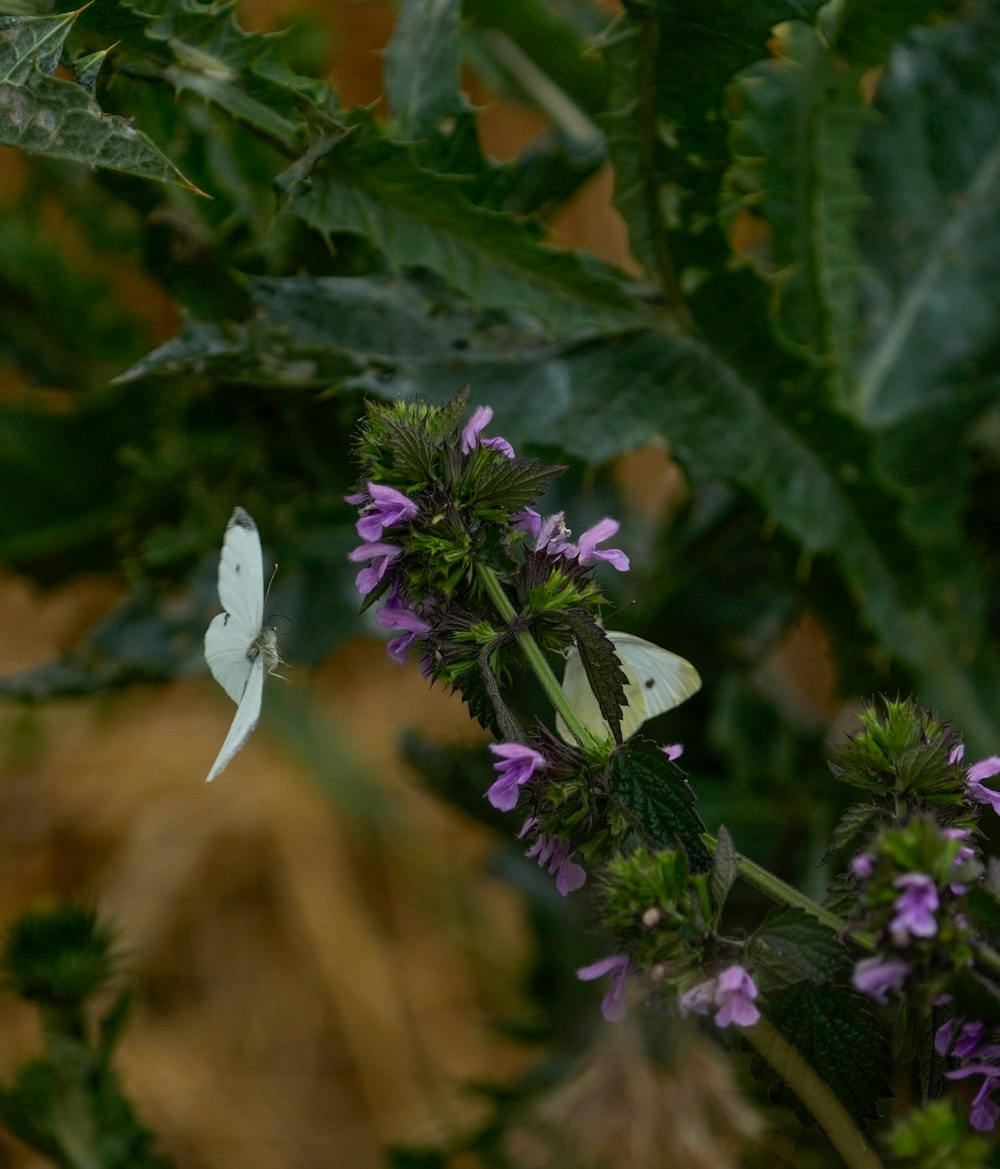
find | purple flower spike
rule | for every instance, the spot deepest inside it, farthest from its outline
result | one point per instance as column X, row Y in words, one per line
column 475, row 426
column 395, row 614
column 862, row 865
column 614, row 1007
column 586, row 551
column 381, row 556
column 916, row 907
column 387, row 508
column 553, row 854
column 984, row 1112
column 735, row 991
column 517, row 764
column 876, row 976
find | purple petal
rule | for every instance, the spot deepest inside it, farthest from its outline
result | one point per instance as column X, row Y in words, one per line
column 984, row 769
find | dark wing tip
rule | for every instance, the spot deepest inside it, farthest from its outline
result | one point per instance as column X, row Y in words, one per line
column 241, row 519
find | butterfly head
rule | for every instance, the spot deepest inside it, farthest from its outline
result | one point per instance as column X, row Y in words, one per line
column 265, row 645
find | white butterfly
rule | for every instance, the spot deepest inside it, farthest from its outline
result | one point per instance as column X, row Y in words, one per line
column 239, row 648
column 657, row 681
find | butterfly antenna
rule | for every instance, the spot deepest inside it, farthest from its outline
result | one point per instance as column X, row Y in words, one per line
column 270, row 582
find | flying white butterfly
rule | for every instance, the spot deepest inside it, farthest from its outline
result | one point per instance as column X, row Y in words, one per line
column 657, row 682
column 239, row 648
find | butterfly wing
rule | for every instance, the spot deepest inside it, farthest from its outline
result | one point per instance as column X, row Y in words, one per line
column 664, row 678
column 226, row 641
column 247, row 714
column 658, row 680
column 241, row 573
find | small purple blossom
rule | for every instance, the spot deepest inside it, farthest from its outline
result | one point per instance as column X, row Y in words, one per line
column 732, row 992
column 553, row 854
column 957, row 754
column 916, row 906
column 395, row 614
column 876, row 976
column 735, row 991
column 699, row 999
column 516, row 765
column 381, row 556
column 387, row 507
column 586, row 551
column 550, row 535
column 984, row 769
column 862, row 865
column 614, row 1005
column 673, row 751
column 984, row 1111
column 473, row 428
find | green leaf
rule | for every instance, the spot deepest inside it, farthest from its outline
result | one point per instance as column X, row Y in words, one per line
column 657, row 801
column 851, row 824
column 834, row 1031
column 47, row 115
column 794, row 140
column 512, row 484
column 604, row 673
column 725, row 866
column 360, row 182
column 422, row 86
column 670, row 65
column 199, row 48
column 932, row 238
column 795, row 946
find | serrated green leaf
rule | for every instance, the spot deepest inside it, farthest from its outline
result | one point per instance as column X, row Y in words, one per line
column 422, row 86
column 360, row 182
column 931, row 168
column 850, row 825
column 657, row 801
column 795, row 946
column 604, row 673
column 834, row 1031
column 725, row 866
column 512, row 484
column 47, row 115
column 670, row 64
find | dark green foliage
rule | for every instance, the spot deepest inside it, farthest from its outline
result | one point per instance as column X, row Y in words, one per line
column 604, row 673
column 792, row 946
column 69, row 1104
column 657, row 801
column 831, row 1028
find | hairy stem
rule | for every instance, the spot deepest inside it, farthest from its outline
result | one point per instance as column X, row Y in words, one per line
column 814, row 1094
column 529, row 647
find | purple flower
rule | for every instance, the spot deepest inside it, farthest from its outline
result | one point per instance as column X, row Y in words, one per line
column 862, row 865
column 735, row 991
column 673, row 751
column 381, row 556
column 942, row 1037
column 586, row 552
column 969, row 1039
column 553, row 854
column 357, row 499
column 984, row 1111
column 395, row 614
column 614, row 1006
column 516, row 765
column 957, row 754
column 916, row 906
column 876, row 976
column 698, row 1000
column 477, row 423
column 387, row 508
column 984, row 769
column 550, row 535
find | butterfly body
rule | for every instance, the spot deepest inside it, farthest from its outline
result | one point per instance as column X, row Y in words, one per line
column 239, row 648
column 657, row 681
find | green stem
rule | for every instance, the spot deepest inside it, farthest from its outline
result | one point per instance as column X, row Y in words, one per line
column 814, row 1094
column 780, row 891
column 529, row 647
